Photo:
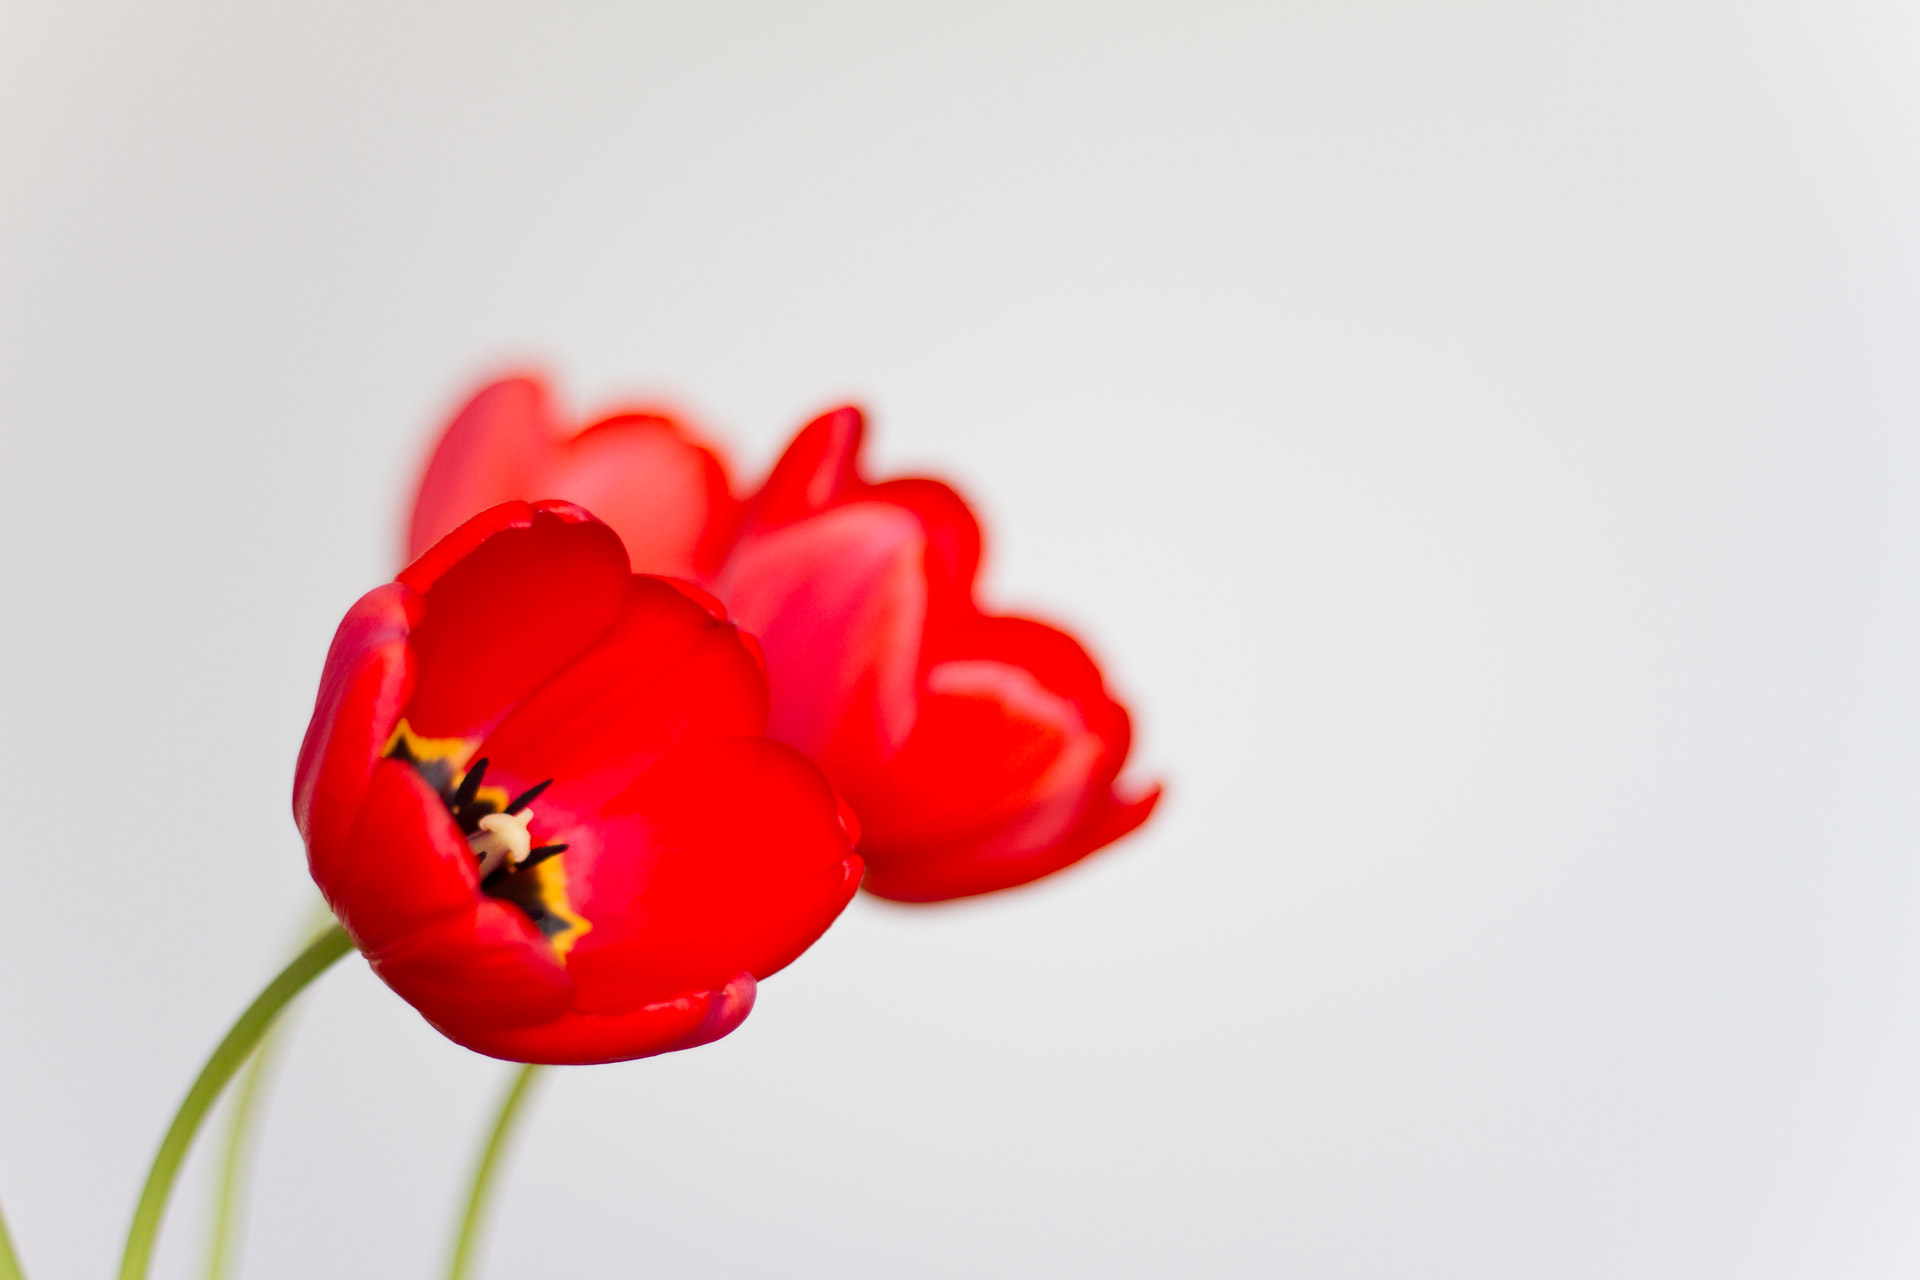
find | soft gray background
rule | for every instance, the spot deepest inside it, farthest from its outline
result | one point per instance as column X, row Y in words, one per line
column 1480, row 439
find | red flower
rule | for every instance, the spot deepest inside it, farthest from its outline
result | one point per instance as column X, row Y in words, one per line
column 981, row 752
column 536, row 794
column 663, row 491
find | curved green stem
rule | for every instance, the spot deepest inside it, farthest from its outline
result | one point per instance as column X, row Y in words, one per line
column 465, row 1243
column 223, row 1238
column 227, row 1059
column 10, row 1268
column 226, row 1232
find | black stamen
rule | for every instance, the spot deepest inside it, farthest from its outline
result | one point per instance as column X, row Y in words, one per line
column 470, row 785
column 527, row 797
column 533, row 859
column 537, row 856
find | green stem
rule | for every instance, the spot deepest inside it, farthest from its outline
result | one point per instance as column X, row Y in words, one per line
column 10, row 1268
column 223, row 1240
column 227, row 1059
column 465, row 1243
column 230, row 1209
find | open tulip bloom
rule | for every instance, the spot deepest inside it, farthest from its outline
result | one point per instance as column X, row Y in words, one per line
column 537, row 795
column 572, row 813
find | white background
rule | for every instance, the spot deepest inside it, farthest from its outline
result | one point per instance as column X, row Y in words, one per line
column 1479, row 439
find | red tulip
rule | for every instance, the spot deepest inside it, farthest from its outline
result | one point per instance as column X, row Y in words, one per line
column 981, row 752
column 536, row 793
column 640, row 471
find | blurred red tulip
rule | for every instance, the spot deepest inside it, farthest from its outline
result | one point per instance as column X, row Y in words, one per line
column 641, row 471
column 980, row 752
column 536, row 793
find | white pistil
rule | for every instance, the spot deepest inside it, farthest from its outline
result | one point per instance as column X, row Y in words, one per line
column 502, row 838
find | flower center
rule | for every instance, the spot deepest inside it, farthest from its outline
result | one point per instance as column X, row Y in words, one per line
column 511, row 866
column 498, row 834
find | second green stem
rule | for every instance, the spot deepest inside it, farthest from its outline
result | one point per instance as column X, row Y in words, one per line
column 466, row 1242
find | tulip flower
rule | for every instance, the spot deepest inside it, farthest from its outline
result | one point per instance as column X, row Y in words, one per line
column 537, row 794
column 980, row 752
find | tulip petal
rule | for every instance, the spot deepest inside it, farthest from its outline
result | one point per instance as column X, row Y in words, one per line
column 666, row 673
column 839, row 605
column 937, row 875
column 530, row 588
column 665, row 495
column 403, row 866
column 366, row 681
column 726, row 856
column 817, row 466
column 1008, row 774
column 995, row 756
column 951, row 536
column 486, row 969
column 581, row 1039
